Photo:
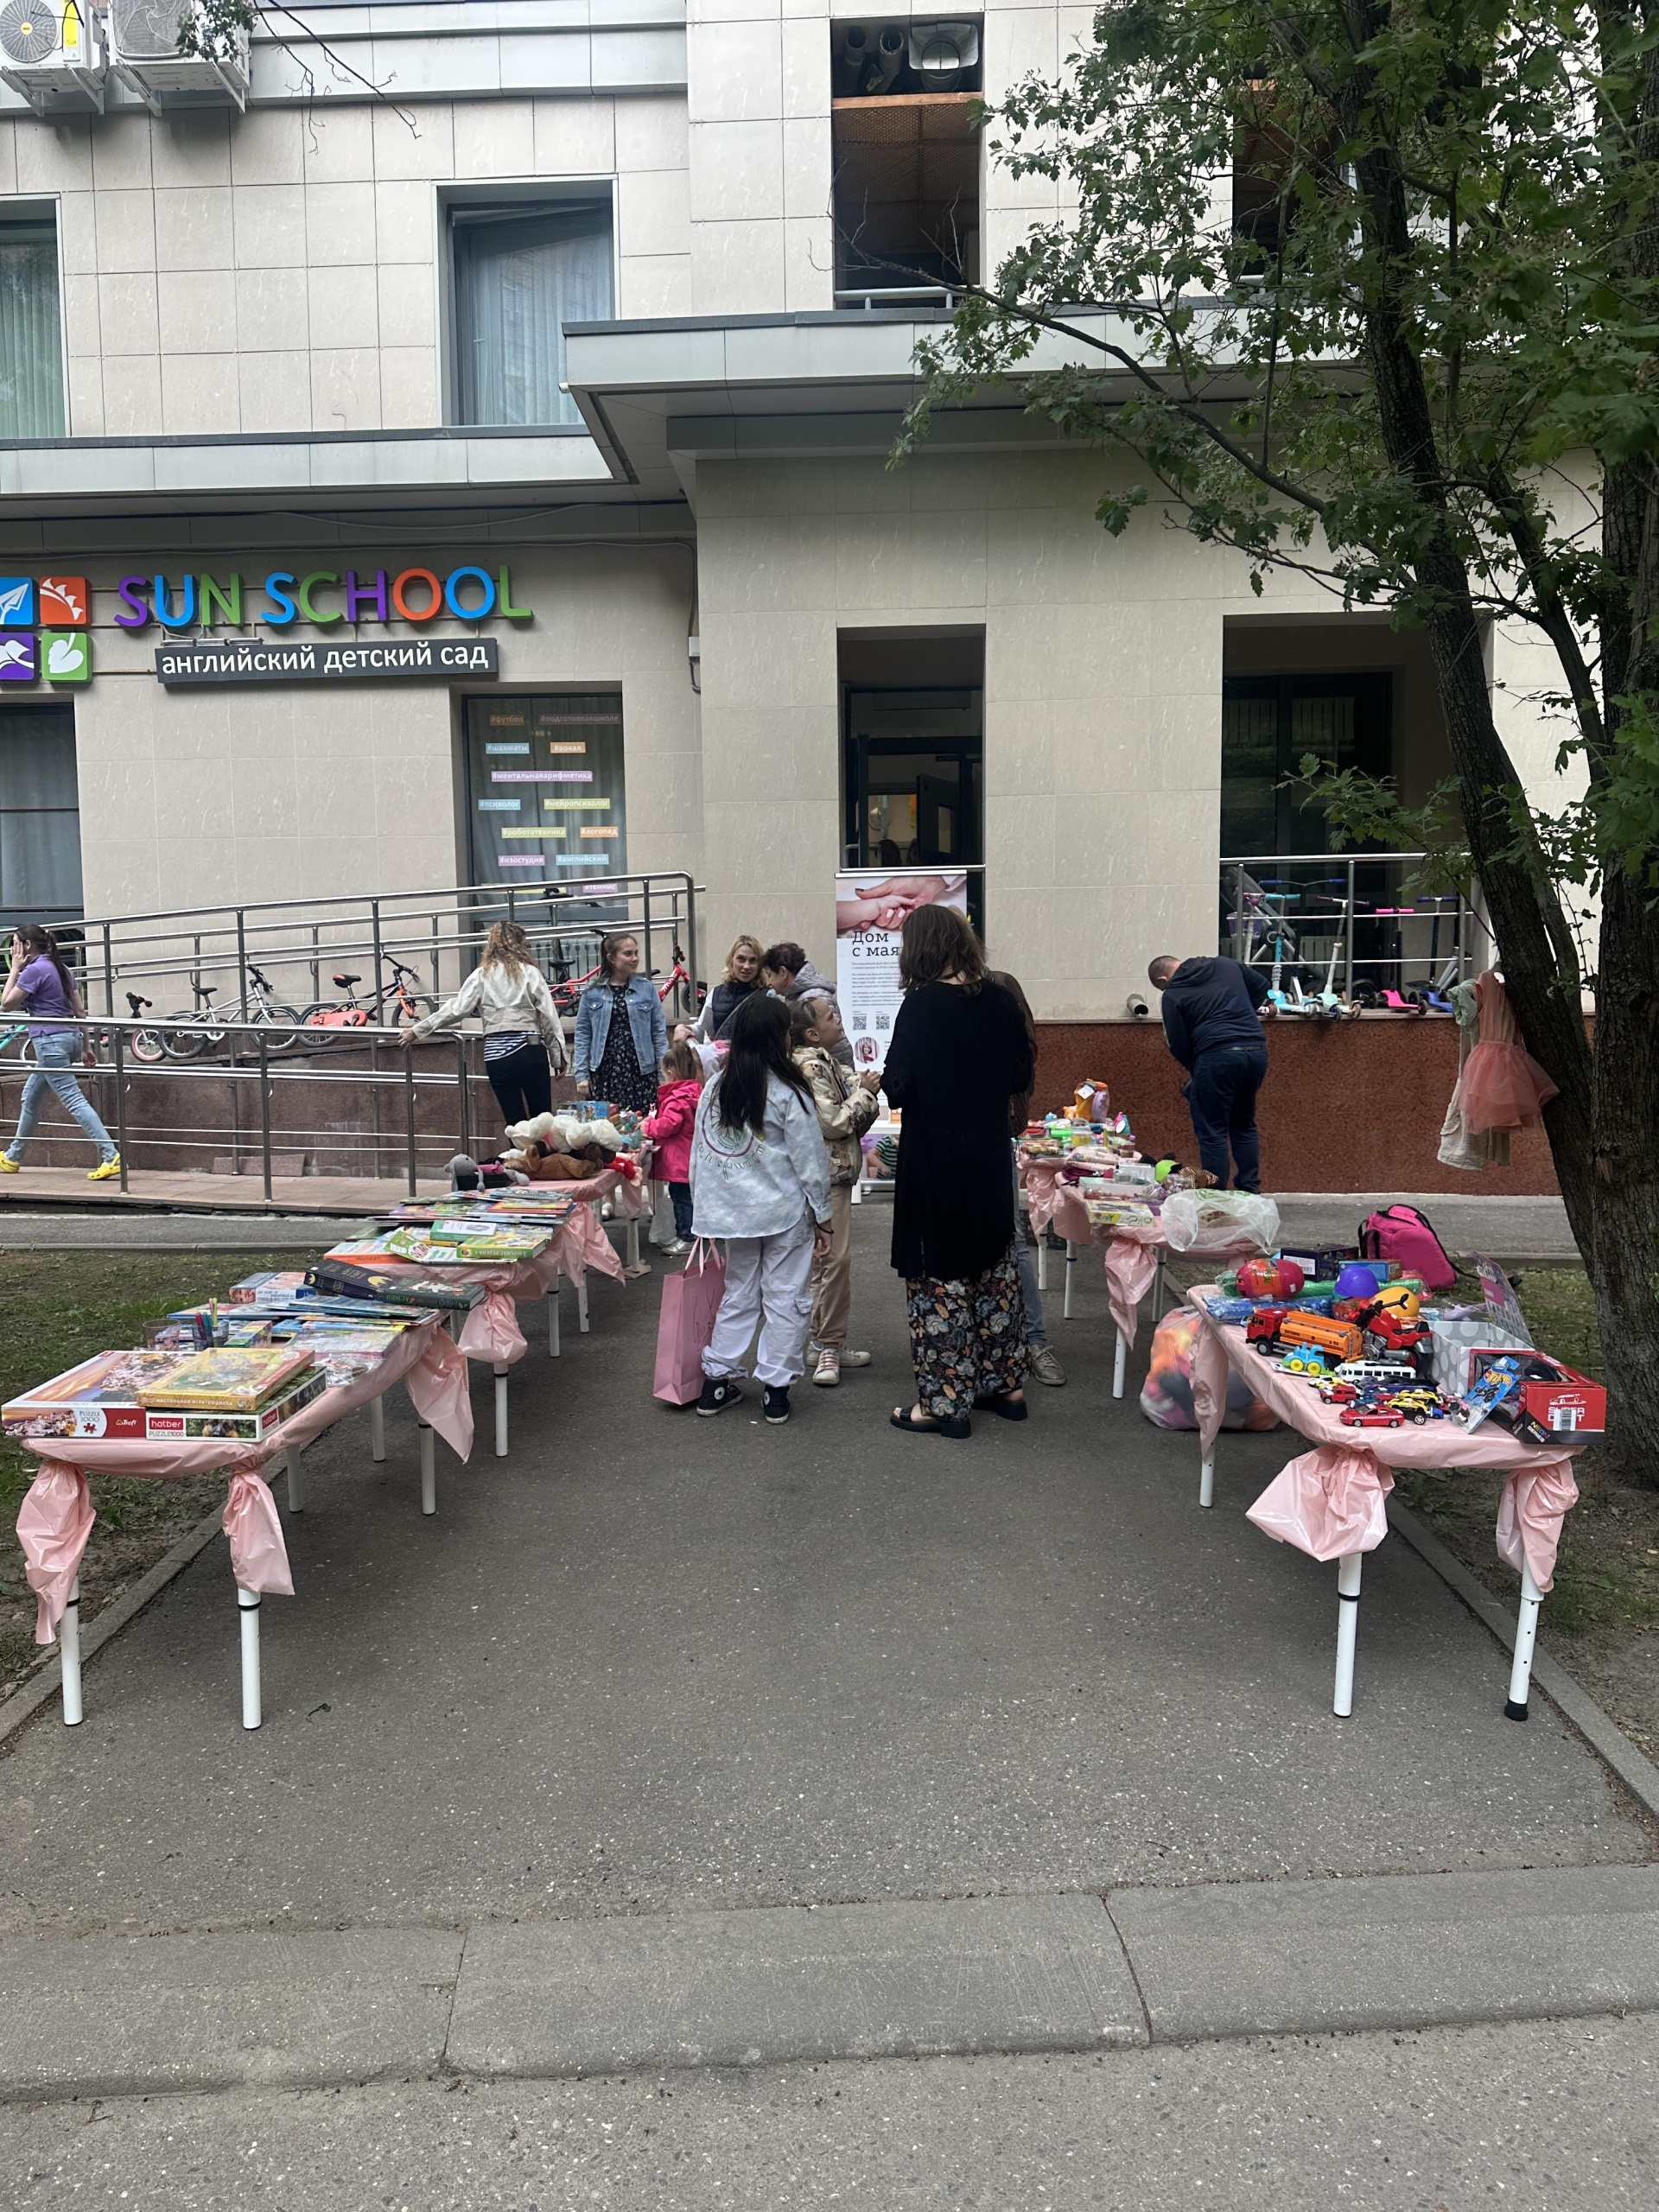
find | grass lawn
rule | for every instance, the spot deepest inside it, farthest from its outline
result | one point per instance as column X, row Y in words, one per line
column 62, row 1307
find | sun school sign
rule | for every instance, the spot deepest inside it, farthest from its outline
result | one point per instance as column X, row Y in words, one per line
column 322, row 597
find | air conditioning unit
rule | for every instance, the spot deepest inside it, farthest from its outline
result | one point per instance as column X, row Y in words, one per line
column 53, row 53
column 144, row 54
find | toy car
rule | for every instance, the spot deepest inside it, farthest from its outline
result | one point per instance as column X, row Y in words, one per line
column 1305, row 1360
column 1419, row 1406
column 1371, row 1417
column 1388, row 1374
column 1340, row 1394
column 1263, row 1326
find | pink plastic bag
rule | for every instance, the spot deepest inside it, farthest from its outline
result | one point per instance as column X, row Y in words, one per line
column 53, row 1527
column 690, row 1302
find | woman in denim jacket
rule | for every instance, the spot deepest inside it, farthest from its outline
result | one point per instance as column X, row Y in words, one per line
column 620, row 1033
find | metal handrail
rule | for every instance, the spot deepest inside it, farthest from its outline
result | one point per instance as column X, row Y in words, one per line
column 249, row 1065
column 1259, row 909
column 423, row 929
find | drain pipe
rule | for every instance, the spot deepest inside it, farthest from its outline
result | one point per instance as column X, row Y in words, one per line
column 888, row 59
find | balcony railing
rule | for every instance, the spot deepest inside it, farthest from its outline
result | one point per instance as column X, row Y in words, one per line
column 1345, row 923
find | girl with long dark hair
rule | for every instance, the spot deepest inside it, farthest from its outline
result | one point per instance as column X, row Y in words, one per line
column 41, row 985
column 960, row 1055
column 620, row 1033
column 760, row 1179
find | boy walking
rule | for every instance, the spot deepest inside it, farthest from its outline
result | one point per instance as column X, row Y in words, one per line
column 845, row 1111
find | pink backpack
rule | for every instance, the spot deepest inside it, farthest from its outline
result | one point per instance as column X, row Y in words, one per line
column 1401, row 1233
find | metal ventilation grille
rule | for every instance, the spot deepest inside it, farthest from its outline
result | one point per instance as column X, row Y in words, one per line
column 146, row 30
column 28, row 33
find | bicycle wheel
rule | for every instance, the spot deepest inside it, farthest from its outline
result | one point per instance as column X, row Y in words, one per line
column 283, row 1022
column 188, row 1041
column 147, row 1046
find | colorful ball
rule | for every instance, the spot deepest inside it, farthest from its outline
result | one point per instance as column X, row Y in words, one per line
column 1356, row 1280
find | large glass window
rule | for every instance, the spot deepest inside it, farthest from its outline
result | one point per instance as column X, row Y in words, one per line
column 546, row 802
column 522, row 271
column 40, row 814
column 1269, row 724
column 31, row 339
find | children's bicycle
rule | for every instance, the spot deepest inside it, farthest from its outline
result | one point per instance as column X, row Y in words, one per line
column 187, row 1036
column 396, row 1005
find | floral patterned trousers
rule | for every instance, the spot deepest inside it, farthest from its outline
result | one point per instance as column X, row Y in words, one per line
column 966, row 1338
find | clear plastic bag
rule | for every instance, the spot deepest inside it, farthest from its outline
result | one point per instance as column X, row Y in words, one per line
column 1220, row 1221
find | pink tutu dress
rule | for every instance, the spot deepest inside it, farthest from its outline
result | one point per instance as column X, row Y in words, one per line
column 1502, row 1086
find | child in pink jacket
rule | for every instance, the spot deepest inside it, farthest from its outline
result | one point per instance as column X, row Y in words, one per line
column 669, row 1130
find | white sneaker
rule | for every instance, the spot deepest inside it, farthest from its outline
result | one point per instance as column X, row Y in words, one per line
column 827, row 1373
column 673, row 1251
column 854, row 1358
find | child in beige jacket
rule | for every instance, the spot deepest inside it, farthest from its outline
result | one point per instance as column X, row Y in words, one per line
column 846, row 1109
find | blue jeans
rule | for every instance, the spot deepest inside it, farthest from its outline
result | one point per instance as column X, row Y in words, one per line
column 54, row 1058
column 680, row 1194
column 1221, row 1098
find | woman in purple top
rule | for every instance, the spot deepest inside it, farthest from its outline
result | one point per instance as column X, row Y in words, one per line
column 41, row 985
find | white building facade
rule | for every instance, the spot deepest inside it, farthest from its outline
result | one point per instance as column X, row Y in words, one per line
column 482, row 382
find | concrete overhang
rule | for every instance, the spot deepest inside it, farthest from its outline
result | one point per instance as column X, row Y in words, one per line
column 387, row 468
column 660, row 396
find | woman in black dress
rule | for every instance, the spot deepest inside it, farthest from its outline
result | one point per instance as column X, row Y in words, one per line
column 960, row 1052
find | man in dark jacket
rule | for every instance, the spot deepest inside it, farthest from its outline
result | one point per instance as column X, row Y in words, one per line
column 1212, row 1021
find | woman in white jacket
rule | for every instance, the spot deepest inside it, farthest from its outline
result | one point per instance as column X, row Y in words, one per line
column 760, row 1179
column 524, row 1044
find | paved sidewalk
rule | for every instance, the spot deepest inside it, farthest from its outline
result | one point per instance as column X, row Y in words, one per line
column 1552, row 2117
column 651, row 1684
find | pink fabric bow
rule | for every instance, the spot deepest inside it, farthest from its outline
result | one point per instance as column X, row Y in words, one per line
column 258, row 1555
column 53, row 1523
column 584, row 1244
column 1329, row 1503
column 1535, row 1501
column 438, row 1391
column 1131, row 1270
column 491, row 1331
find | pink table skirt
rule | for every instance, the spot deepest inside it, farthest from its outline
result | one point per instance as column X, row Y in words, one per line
column 1131, row 1255
column 56, row 1516
column 1332, row 1502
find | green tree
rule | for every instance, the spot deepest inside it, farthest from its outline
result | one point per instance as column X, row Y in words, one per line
column 1376, row 296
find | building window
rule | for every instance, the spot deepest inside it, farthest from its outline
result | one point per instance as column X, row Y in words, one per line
column 906, row 159
column 1269, row 724
column 40, row 814
column 522, row 270
column 546, row 804
column 31, row 334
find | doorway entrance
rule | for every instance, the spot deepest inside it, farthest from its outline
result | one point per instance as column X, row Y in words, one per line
column 914, row 766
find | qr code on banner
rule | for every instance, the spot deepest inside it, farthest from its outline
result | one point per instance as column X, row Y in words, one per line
column 883, row 1021
column 859, row 1022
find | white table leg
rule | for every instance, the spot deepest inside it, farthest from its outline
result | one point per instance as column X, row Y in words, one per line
column 1158, row 1294
column 633, row 1241
column 858, row 1187
column 1347, row 1631
column 1042, row 1258
column 69, row 1656
column 1119, row 1360
column 553, row 1316
column 582, row 1306
column 428, row 1471
column 296, row 1481
column 376, row 1431
column 1526, row 1635
column 1207, row 1479
column 1071, row 1269
column 248, row 1606
column 500, row 1413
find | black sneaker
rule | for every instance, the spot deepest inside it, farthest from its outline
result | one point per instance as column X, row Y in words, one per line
column 774, row 1402
column 717, row 1395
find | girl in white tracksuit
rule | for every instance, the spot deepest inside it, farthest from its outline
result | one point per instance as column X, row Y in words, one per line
column 760, row 1181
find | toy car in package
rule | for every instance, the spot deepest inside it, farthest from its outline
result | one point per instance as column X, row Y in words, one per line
column 1540, row 1398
